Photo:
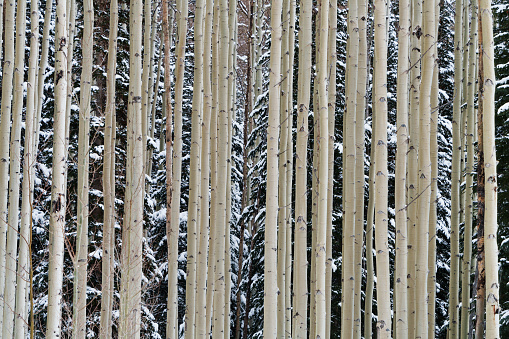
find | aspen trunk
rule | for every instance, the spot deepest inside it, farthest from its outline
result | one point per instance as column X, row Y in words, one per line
column 109, row 182
column 80, row 265
column 455, row 180
column 5, row 132
column 14, row 174
column 490, row 167
column 381, row 217
column 21, row 320
column 270, row 270
column 400, row 288
column 173, row 218
column 146, row 74
column 59, row 186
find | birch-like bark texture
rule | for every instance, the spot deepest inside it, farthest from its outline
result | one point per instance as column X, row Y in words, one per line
column 80, row 264
column 349, row 158
column 323, row 171
column 381, row 217
column 202, row 272
column 14, row 174
column 300, row 284
column 422, row 229
column 147, row 73
column 21, row 320
column 331, row 70
column 412, row 173
column 59, row 186
column 270, row 270
column 222, row 172
column 469, row 171
column 108, row 269
column 490, row 168
column 132, row 232
column 173, row 221
column 194, row 174
column 5, row 132
column 400, row 286
column 455, row 180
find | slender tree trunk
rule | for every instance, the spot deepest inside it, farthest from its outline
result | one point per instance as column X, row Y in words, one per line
column 80, row 265
column 467, row 238
column 400, row 288
column 5, row 132
column 147, row 74
column 21, row 320
column 270, row 270
column 14, row 174
column 59, row 186
column 300, row 286
column 108, row 269
column 490, row 166
column 381, row 217
column 173, row 223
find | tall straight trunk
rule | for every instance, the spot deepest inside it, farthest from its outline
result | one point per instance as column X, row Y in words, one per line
column 203, row 274
column 71, row 14
column 14, row 174
column 422, row 228
column 400, row 288
column 349, row 159
column 381, row 186
column 5, row 132
column 455, row 180
column 490, row 167
column 469, row 169
column 222, row 155
column 130, row 293
column 80, row 265
column 147, row 74
column 300, row 286
column 432, row 255
column 173, row 218
column 283, row 156
column 194, row 174
column 109, row 181
column 59, row 185
column 270, row 270
column 331, row 70
column 323, row 171
column 359, row 163
column 412, row 176
column 21, row 320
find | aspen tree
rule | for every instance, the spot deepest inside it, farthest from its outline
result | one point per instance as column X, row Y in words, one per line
column 360, row 108
column 381, row 217
column 349, row 159
column 270, row 270
column 5, row 132
column 80, row 266
column 469, row 169
column 331, row 70
column 283, row 156
column 412, row 173
column 147, row 74
column 173, row 223
column 422, row 228
column 455, row 180
column 23, row 269
column 14, row 174
column 130, row 306
column 109, row 181
column 222, row 154
column 432, row 255
column 303, row 98
column 490, row 167
column 201, row 305
column 58, row 189
column 400, row 288
column 71, row 15
column 194, row 178
column 323, row 171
